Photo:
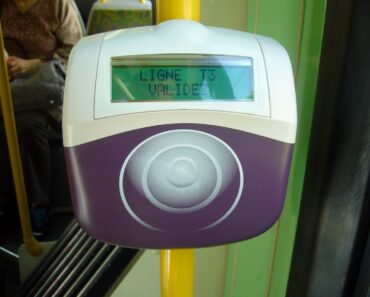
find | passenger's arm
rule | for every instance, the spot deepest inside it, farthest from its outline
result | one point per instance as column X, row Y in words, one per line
column 18, row 67
column 67, row 29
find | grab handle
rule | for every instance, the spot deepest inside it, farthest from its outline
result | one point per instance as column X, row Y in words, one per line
column 32, row 245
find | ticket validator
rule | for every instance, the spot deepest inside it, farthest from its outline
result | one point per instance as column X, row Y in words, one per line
column 178, row 135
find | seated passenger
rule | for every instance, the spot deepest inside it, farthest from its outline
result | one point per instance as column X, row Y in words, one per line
column 35, row 31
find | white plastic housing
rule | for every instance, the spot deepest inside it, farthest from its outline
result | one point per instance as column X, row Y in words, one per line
column 90, row 115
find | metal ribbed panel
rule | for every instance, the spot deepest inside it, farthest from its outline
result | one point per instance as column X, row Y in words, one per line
column 72, row 288
column 78, row 265
column 66, row 266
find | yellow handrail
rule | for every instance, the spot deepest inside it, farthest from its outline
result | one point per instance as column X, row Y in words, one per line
column 32, row 246
column 177, row 273
column 178, row 9
column 177, row 266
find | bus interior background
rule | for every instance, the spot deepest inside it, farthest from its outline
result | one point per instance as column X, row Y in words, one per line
column 331, row 245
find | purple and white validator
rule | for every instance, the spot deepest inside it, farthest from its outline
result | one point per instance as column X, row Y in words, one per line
column 167, row 170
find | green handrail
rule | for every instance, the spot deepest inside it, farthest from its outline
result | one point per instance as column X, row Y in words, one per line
column 32, row 245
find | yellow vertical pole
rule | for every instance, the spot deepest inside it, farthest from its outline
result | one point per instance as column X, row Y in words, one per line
column 177, row 273
column 178, row 9
column 177, row 266
column 30, row 242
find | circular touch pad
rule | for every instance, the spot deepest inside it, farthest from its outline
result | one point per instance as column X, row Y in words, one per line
column 181, row 171
column 182, row 178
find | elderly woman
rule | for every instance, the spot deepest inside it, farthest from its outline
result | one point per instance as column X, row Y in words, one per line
column 35, row 31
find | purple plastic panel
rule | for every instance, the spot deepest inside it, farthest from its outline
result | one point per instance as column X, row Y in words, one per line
column 111, row 206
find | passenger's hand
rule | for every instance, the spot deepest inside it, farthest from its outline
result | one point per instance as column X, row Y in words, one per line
column 18, row 67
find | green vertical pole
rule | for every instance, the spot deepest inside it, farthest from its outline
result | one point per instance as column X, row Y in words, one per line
column 260, row 267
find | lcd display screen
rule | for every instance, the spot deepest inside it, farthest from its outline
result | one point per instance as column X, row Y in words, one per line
column 182, row 78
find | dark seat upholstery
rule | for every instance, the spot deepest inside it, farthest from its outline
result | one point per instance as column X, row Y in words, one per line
column 60, row 195
column 84, row 6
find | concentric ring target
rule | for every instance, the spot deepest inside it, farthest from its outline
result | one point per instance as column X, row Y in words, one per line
column 180, row 172
column 182, row 178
